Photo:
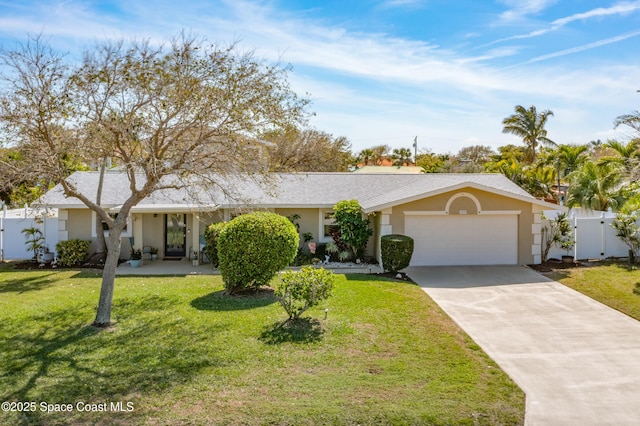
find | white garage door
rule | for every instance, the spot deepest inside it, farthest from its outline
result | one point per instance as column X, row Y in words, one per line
column 463, row 240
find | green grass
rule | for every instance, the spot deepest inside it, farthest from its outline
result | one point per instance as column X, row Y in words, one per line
column 184, row 353
column 611, row 284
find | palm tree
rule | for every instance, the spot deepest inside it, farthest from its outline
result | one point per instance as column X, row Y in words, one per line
column 401, row 156
column 535, row 179
column 365, row 156
column 529, row 125
column 626, row 157
column 595, row 187
column 566, row 159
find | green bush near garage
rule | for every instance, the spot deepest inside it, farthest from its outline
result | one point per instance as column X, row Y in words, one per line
column 396, row 252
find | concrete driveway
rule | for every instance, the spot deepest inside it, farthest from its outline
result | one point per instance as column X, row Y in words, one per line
column 577, row 360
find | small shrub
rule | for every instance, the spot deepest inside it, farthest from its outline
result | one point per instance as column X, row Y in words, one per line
column 396, row 252
column 72, row 252
column 211, row 235
column 300, row 290
column 253, row 247
column 34, row 240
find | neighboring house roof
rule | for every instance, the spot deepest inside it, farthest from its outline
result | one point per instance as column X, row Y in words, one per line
column 299, row 190
column 389, row 169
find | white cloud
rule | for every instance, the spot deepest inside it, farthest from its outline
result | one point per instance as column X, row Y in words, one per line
column 522, row 8
column 617, row 9
column 584, row 47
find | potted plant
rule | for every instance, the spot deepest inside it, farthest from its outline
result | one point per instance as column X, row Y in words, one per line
column 307, row 237
column 136, row 258
column 154, row 253
column 47, row 256
column 567, row 243
column 195, row 258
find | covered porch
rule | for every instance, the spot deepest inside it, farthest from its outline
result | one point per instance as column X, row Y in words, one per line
column 181, row 267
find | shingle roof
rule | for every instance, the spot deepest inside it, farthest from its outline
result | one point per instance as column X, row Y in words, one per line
column 300, row 190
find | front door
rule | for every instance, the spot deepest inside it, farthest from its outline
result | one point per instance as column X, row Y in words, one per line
column 175, row 235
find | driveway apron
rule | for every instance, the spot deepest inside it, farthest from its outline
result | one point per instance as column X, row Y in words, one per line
column 577, row 360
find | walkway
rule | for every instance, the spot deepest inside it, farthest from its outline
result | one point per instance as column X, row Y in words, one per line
column 185, row 267
column 577, row 360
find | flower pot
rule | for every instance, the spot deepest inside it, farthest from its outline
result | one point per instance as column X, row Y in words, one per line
column 154, row 256
column 567, row 259
column 135, row 263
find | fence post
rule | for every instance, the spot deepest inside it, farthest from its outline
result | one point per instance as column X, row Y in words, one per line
column 603, row 236
column 575, row 238
column 4, row 215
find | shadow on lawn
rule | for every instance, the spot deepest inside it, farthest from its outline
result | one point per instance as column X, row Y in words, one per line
column 26, row 284
column 303, row 330
column 219, row 301
column 59, row 359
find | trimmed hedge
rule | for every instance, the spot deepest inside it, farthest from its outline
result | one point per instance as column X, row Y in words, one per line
column 253, row 247
column 396, row 252
column 72, row 252
column 211, row 235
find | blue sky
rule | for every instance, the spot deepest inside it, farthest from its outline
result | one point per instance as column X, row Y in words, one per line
column 385, row 71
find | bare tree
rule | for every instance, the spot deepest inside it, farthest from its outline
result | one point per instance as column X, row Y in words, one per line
column 167, row 114
column 307, row 150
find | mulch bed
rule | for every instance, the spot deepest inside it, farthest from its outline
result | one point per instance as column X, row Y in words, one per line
column 95, row 262
column 554, row 265
column 400, row 276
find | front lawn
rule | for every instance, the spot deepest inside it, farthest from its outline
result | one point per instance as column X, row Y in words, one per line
column 181, row 352
column 610, row 283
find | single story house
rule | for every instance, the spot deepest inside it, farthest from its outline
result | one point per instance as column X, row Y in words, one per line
column 455, row 219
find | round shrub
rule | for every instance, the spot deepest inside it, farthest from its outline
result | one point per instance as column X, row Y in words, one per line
column 253, row 247
column 211, row 235
column 396, row 252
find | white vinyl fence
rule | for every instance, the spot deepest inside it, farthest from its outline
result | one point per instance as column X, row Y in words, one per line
column 12, row 241
column 594, row 236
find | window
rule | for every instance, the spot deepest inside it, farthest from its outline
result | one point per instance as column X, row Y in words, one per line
column 327, row 221
column 125, row 232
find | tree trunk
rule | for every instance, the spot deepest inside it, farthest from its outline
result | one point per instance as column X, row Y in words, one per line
column 99, row 232
column 103, row 316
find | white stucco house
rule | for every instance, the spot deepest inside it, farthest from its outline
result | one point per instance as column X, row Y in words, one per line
column 455, row 219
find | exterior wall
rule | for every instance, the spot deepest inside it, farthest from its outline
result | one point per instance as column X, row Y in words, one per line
column 309, row 220
column 79, row 224
column 488, row 201
column 152, row 230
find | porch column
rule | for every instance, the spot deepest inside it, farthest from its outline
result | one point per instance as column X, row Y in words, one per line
column 195, row 234
column 536, row 231
column 385, row 229
column 137, row 231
